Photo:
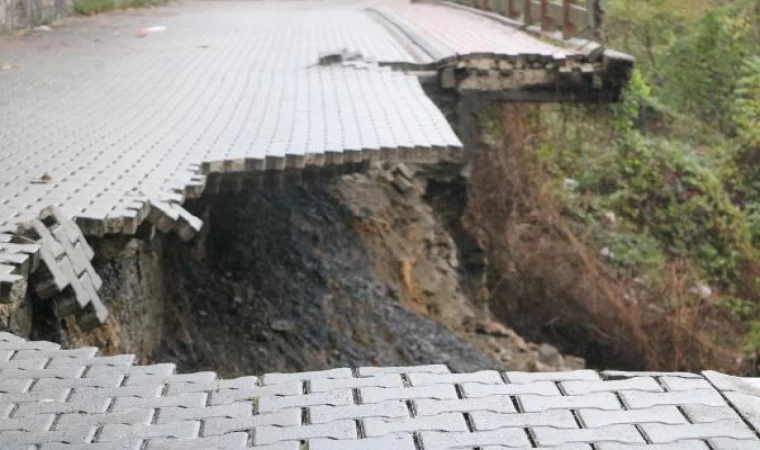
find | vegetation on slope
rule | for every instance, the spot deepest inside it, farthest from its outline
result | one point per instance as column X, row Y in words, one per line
column 90, row 7
column 658, row 197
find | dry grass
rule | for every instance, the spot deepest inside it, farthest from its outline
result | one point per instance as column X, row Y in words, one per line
column 549, row 282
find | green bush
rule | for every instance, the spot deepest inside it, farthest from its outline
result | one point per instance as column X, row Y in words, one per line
column 701, row 71
column 90, row 7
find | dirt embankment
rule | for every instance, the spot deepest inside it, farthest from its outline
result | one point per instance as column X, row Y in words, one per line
column 370, row 268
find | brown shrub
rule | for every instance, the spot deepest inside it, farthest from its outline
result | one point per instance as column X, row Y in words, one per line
column 548, row 281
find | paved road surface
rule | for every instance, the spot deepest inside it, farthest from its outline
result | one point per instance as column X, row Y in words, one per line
column 73, row 400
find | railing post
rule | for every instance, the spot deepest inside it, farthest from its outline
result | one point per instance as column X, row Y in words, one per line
column 546, row 21
column 595, row 17
column 528, row 12
column 512, row 9
column 568, row 27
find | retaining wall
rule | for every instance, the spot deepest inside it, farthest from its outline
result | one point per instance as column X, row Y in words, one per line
column 20, row 14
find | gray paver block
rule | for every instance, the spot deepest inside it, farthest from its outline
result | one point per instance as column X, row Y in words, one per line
column 532, row 377
column 613, row 433
column 593, row 418
column 478, row 390
column 277, row 378
column 177, row 430
column 683, row 445
column 228, row 441
column 89, row 406
column 83, row 393
column 684, row 384
column 77, row 436
column 333, row 398
column 435, row 368
column 394, row 442
column 511, row 437
column 197, row 400
column 427, row 379
column 221, row 396
column 707, row 414
column 601, row 400
column 622, row 374
column 629, row 384
column 345, row 429
column 727, row 383
column 450, row 422
column 390, row 409
column 31, row 424
column 733, row 444
column 487, row 421
column 382, row 381
column 177, row 413
column 378, row 395
column 706, row 397
column 671, row 433
column 498, row 403
column 74, row 420
column 748, row 407
column 220, row 425
column 123, row 445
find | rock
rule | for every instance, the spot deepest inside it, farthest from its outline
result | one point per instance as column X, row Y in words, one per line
column 493, row 329
column 609, row 219
column 468, row 324
column 283, row 326
column 703, row 290
column 237, row 300
column 549, row 355
column 402, row 185
column 574, row 363
column 403, row 170
column 156, row 29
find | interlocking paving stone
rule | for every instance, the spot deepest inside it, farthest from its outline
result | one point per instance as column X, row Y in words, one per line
column 499, row 403
column 391, row 410
column 601, row 400
column 427, row 379
column 529, row 377
column 707, row 397
column 733, row 444
column 630, row 384
column 511, row 437
column 683, row 445
column 449, row 422
column 164, row 410
column 395, row 442
column 345, row 429
column 486, row 420
column 223, row 425
column 126, row 130
column 615, row 433
column 434, row 368
column 437, row 392
column 670, row 433
column 278, row 378
column 593, row 418
column 475, row 390
column 381, row 381
column 228, row 441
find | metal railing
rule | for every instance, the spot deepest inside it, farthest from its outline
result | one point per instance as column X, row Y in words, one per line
column 574, row 18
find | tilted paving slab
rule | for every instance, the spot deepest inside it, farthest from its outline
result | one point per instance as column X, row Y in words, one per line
column 151, row 407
